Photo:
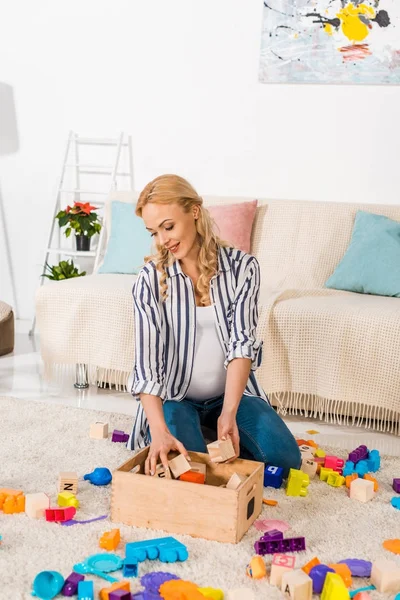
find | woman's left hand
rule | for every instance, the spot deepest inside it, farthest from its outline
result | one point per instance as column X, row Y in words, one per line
column 227, row 428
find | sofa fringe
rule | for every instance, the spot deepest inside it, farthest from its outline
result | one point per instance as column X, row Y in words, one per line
column 60, row 373
column 338, row 412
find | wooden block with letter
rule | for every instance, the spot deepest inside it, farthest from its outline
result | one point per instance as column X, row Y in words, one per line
column 142, row 501
column 98, row 430
column 297, row 585
column 221, row 450
column 68, row 482
column 179, row 465
column 281, row 563
column 161, row 472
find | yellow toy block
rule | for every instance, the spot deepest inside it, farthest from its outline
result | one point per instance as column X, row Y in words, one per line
column 211, row 593
column 334, row 588
column 335, row 480
column 343, row 570
column 297, row 483
column 320, row 453
column 67, row 499
column 324, row 473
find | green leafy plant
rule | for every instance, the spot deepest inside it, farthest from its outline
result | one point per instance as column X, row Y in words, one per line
column 80, row 218
column 64, row 270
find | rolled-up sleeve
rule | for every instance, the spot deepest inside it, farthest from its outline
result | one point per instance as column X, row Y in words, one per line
column 148, row 374
column 243, row 342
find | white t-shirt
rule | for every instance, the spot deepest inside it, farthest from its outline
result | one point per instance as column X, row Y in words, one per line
column 208, row 375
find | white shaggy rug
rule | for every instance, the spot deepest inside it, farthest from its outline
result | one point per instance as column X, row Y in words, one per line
column 39, row 440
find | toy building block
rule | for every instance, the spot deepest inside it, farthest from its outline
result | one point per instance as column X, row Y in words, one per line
column 369, row 477
column 179, row 465
column 240, row 594
column 385, row 576
column 273, row 476
column 14, row 504
column 349, row 468
column 266, row 545
column 362, row 490
column 10, row 492
column 269, row 501
column 306, row 451
column 324, row 473
column 350, row 478
column 344, row 571
column 297, row 483
column 85, row 590
column 335, row 463
column 362, row 468
column 120, row 595
column 211, row 593
column 374, row 461
column 256, row 569
column 110, row 539
column 319, row 453
column 60, row 514
column 67, row 499
column 395, row 502
column 235, row 481
column 300, row 442
column 396, row 485
column 118, row 585
column 335, row 480
column 162, row 472
column 334, row 588
column 166, row 549
column 221, row 450
column 318, row 575
column 297, row 585
column 98, row 431
column 130, row 568
column 197, row 473
column 281, row 563
column 311, row 563
column 36, row 504
column 119, row 436
column 309, row 466
column 312, row 443
column 358, row 454
column 70, row 587
column 68, row 482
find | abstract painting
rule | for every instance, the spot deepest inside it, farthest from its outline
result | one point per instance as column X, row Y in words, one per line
column 330, row 41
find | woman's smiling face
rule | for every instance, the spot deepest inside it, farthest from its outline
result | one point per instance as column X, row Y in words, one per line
column 172, row 227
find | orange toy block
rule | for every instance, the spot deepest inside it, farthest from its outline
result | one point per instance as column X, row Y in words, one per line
column 392, row 546
column 193, row 477
column 14, row 504
column 350, row 478
column 270, row 502
column 343, row 570
column 10, row 492
column 312, row 443
column 118, row 585
column 110, row 539
column 178, row 589
column 369, row 477
column 301, row 442
column 311, row 563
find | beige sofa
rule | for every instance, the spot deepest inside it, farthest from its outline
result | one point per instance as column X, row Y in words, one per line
column 332, row 354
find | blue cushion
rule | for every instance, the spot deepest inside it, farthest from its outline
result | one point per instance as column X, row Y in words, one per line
column 129, row 241
column 371, row 264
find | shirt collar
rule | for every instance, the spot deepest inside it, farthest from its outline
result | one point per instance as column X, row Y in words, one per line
column 223, row 263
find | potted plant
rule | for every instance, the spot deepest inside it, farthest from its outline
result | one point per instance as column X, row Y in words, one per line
column 64, row 270
column 80, row 218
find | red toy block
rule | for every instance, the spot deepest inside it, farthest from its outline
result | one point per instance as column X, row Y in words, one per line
column 60, row 514
column 334, row 463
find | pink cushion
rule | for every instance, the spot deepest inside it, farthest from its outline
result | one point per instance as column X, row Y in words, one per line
column 234, row 222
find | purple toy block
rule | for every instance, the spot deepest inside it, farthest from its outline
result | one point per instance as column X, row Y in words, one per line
column 265, row 546
column 358, row 567
column 273, row 534
column 119, row 436
column 273, row 476
column 358, row 454
column 70, row 587
column 152, row 581
column 120, row 595
column 318, row 575
column 396, row 485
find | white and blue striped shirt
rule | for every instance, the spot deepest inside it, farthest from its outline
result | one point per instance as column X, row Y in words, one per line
column 165, row 332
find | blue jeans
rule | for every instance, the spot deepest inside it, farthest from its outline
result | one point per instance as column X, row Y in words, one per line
column 263, row 434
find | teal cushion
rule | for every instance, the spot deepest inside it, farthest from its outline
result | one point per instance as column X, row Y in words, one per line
column 371, row 264
column 129, row 241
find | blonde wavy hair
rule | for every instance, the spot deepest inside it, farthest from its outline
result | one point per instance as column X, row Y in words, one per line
column 166, row 189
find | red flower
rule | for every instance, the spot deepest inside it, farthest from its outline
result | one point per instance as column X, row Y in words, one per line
column 85, row 207
column 67, row 209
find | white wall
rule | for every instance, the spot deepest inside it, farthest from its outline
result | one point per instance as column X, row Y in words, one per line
column 182, row 77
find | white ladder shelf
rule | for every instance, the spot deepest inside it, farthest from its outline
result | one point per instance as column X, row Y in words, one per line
column 112, row 171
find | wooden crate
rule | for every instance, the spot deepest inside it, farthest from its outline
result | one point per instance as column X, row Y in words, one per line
column 202, row 510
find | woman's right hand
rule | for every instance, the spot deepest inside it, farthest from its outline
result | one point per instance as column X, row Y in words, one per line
column 162, row 442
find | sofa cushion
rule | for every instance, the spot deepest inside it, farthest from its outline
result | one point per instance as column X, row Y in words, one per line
column 235, row 222
column 371, row 264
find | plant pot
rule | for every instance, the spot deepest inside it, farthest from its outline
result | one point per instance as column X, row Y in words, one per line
column 82, row 242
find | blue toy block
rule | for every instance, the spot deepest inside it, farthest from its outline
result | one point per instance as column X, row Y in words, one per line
column 362, row 468
column 395, row 502
column 348, row 468
column 85, row 590
column 166, row 549
column 374, row 461
column 130, row 568
column 273, row 476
